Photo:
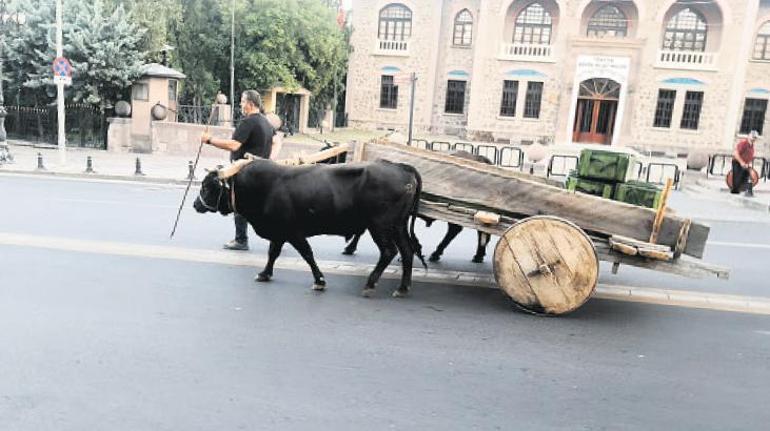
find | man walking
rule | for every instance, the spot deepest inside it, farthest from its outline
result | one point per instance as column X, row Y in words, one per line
column 253, row 135
column 743, row 157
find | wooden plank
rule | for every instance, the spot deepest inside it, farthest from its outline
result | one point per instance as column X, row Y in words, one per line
column 518, row 195
column 684, row 266
column 638, row 244
column 661, row 212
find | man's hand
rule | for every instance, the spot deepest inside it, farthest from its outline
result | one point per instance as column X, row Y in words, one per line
column 206, row 138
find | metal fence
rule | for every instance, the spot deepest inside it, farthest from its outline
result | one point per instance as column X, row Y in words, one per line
column 505, row 156
column 85, row 125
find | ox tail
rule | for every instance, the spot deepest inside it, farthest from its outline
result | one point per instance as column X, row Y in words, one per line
column 415, row 207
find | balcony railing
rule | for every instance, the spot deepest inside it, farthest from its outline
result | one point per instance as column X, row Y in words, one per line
column 392, row 47
column 527, row 52
column 688, row 60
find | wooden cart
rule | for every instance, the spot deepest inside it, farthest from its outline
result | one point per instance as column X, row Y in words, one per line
column 551, row 239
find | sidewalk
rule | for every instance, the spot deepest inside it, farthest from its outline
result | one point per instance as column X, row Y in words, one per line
column 117, row 166
column 716, row 186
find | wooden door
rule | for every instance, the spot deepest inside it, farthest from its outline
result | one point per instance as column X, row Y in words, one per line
column 596, row 110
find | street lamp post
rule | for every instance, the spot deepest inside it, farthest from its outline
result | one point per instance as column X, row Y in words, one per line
column 4, row 153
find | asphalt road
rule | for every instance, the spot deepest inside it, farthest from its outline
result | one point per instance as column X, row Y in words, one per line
column 97, row 341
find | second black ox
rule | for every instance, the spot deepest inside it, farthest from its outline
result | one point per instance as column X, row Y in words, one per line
column 289, row 204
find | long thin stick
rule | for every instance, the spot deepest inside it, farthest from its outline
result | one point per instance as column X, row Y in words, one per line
column 189, row 183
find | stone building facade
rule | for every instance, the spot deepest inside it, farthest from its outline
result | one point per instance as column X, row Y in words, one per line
column 671, row 75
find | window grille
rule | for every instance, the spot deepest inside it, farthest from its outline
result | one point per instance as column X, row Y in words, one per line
column 508, row 102
column 532, row 101
column 665, row 108
column 455, row 97
column 693, row 101
column 388, row 93
column 608, row 21
column 533, row 26
column 686, row 31
column 754, row 111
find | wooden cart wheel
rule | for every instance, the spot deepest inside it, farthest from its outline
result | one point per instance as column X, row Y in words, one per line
column 752, row 172
column 547, row 265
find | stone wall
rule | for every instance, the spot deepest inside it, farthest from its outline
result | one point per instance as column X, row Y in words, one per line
column 184, row 139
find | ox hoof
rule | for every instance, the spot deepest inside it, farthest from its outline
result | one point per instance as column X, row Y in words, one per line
column 262, row 277
column 367, row 292
column 434, row 258
column 401, row 293
column 319, row 287
column 478, row 259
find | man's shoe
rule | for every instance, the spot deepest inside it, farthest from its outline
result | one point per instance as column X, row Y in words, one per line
column 236, row 245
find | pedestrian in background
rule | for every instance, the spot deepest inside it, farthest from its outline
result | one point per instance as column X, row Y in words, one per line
column 743, row 158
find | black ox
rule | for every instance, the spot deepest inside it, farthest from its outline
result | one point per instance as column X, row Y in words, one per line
column 452, row 229
column 290, row 204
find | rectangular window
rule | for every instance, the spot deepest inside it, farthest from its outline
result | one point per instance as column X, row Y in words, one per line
column 693, row 101
column 455, row 97
column 388, row 93
column 140, row 91
column 508, row 104
column 172, row 88
column 665, row 108
column 532, row 101
column 754, row 111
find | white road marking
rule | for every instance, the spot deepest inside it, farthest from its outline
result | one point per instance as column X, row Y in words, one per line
column 111, row 202
column 738, row 245
column 679, row 298
column 145, row 182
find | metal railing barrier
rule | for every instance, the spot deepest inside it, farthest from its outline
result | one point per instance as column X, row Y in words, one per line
column 565, row 163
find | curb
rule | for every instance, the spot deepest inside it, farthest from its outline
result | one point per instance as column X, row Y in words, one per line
column 73, row 175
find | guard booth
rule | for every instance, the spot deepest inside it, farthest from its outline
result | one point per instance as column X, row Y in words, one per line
column 293, row 106
column 158, row 85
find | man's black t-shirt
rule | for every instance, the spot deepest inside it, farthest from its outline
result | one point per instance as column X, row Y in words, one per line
column 255, row 134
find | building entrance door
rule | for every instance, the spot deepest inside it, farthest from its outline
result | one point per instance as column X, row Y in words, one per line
column 597, row 106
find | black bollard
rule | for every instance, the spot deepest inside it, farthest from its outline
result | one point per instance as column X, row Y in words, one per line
column 89, row 166
column 138, row 172
column 191, row 173
column 40, row 166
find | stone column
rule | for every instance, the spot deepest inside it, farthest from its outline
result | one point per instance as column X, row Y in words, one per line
column 740, row 67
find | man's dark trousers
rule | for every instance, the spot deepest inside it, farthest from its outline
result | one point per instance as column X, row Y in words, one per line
column 741, row 177
column 241, row 228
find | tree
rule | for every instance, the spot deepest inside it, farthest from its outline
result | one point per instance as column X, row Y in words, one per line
column 104, row 51
column 200, row 48
column 293, row 43
column 103, row 48
column 157, row 18
column 29, row 52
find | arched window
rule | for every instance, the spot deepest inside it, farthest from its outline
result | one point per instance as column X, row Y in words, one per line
column 463, row 34
column 395, row 22
column 533, row 26
column 762, row 43
column 608, row 21
column 686, row 31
